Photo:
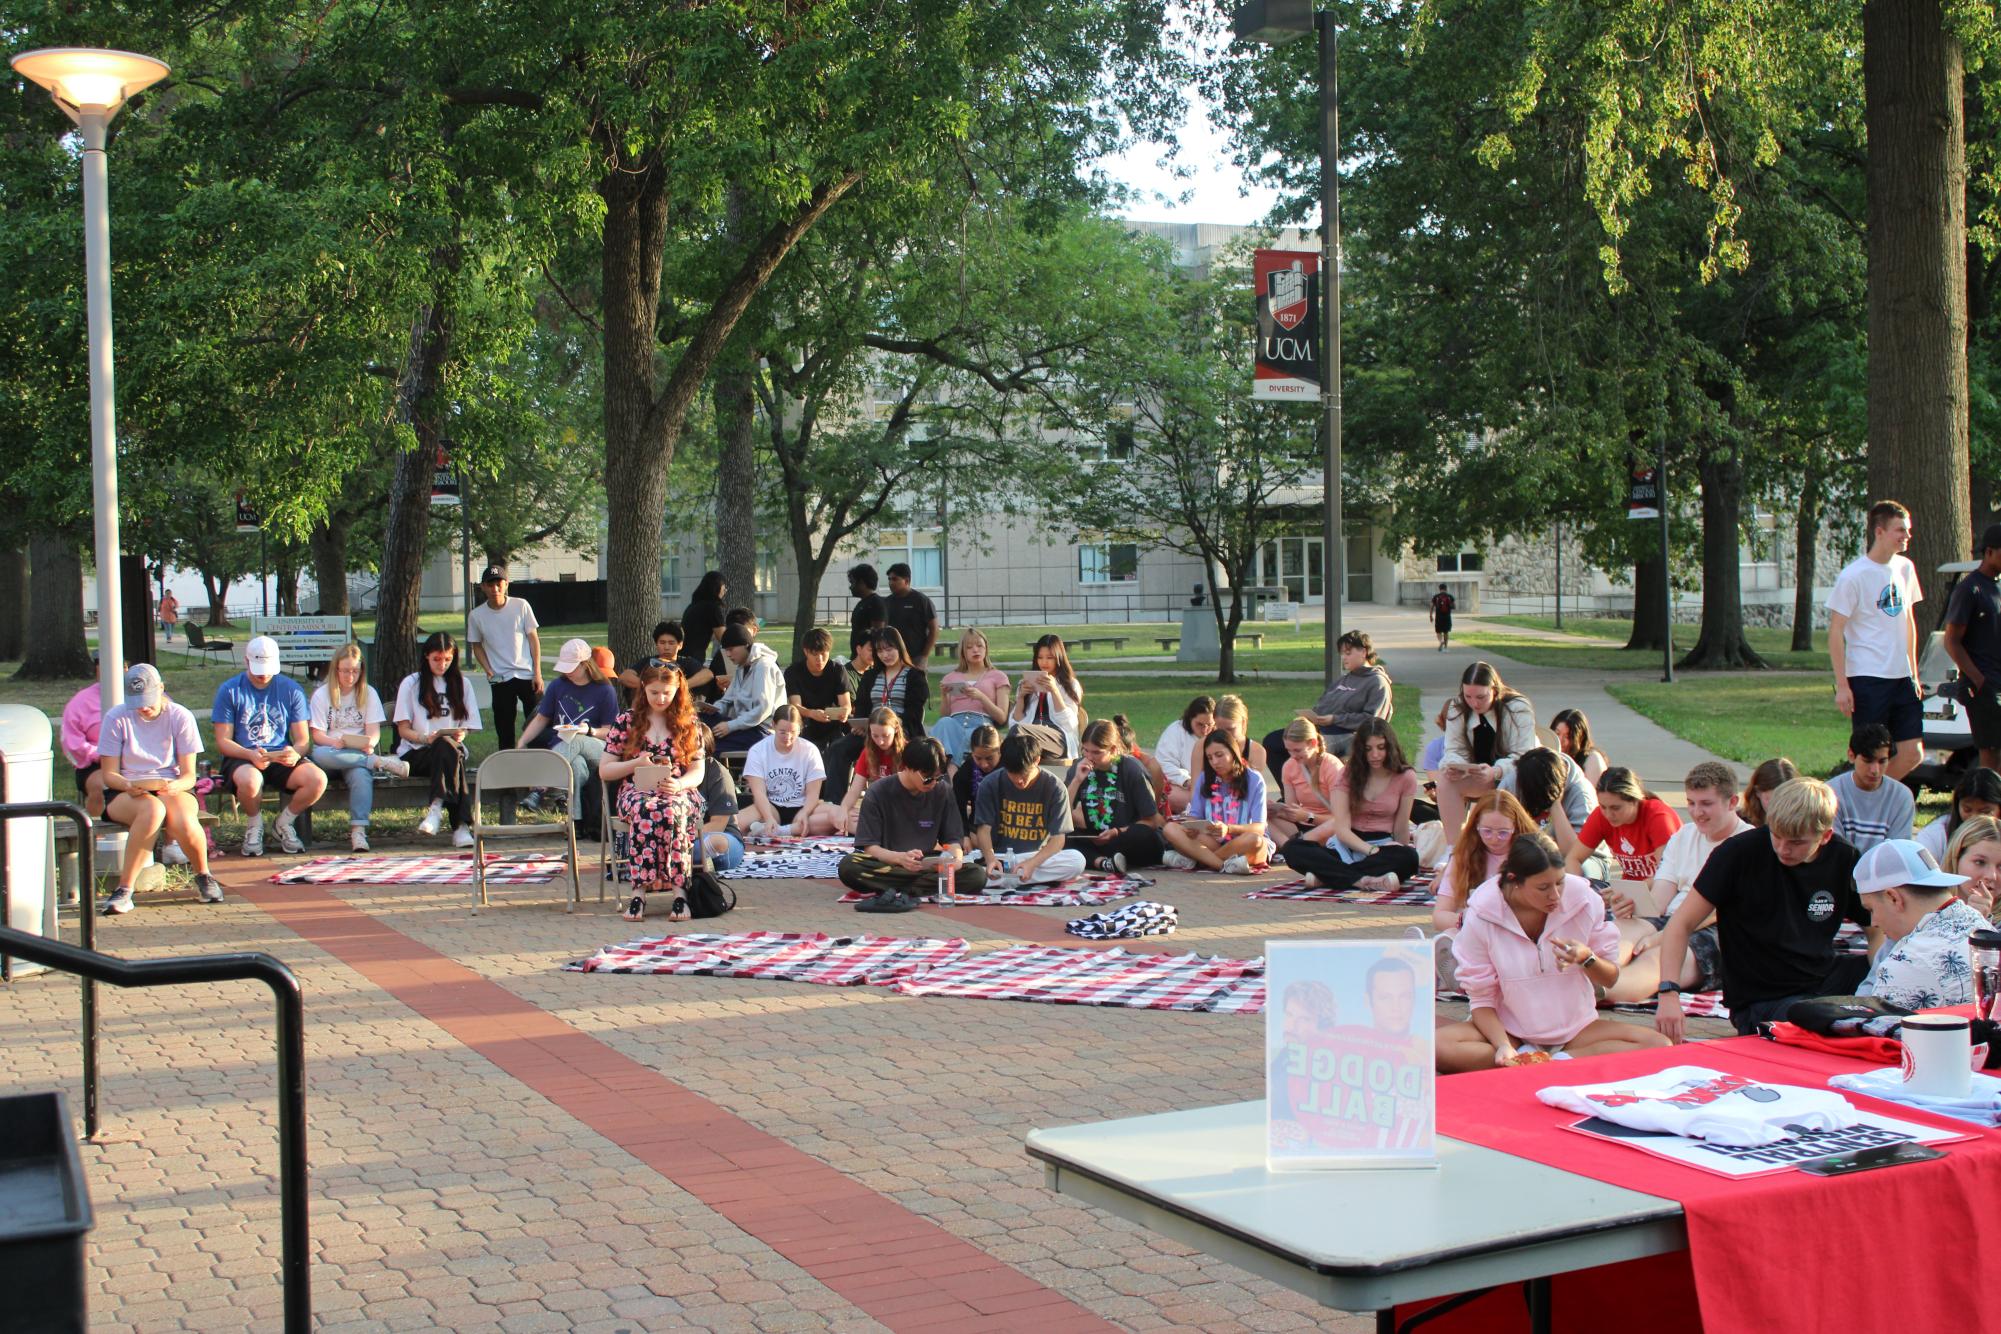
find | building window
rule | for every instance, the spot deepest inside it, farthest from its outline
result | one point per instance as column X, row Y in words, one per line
column 1464, row 562
column 1108, row 563
column 915, row 547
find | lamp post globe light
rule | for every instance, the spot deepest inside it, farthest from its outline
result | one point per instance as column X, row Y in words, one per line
column 90, row 86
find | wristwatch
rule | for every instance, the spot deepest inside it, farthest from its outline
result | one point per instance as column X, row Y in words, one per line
column 1668, row 988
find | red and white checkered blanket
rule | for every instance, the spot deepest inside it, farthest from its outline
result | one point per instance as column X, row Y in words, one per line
column 1064, row 976
column 532, row 868
column 1413, row 893
column 778, row 956
column 1082, row 891
column 792, row 859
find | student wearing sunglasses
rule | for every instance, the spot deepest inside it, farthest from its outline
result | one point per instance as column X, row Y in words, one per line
column 905, row 818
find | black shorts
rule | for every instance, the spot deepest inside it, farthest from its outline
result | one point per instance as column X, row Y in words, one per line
column 1893, row 703
column 1983, row 717
column 83, row 777
column 277, row 777
column 1705, row 949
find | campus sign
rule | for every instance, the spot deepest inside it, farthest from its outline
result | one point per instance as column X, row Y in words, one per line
column 1643, row 493
column 1288, row 308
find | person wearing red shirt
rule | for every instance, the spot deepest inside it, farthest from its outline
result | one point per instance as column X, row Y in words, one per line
column 1636, row 823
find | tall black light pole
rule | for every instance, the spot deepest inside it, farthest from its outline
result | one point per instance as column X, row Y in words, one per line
column 1274, row 22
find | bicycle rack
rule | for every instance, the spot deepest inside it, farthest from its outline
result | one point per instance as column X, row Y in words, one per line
column 93, row 967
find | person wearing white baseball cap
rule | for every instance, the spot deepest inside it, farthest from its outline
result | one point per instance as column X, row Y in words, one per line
column 263, row 728
column 575, row 715
column 146, row 750
column 1927, row 961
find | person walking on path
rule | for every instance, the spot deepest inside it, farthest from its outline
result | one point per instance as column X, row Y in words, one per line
column 1442, row 606
column 1872, row 636
column 503, row 634
column 1973, row 640
column 170, row 615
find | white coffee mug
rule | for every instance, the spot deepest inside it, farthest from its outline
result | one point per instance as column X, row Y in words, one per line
column 1938, row 1056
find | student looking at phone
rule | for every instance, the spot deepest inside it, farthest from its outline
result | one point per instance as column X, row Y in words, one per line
column 975, row 695
column 658, row 743
column 907, row 818
column 1487, row 727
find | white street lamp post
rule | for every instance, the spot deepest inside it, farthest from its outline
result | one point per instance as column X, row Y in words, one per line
column 90, row 86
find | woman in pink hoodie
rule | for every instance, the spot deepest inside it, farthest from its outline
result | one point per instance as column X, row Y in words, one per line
column 1531, row 950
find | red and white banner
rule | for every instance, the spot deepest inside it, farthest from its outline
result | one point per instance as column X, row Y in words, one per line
column 1288, row 305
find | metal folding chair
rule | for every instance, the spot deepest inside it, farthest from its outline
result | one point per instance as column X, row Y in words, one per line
column 512, row 770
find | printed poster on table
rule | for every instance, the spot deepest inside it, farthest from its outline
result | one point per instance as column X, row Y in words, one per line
column 1752, row 1160
column 1349, row 1077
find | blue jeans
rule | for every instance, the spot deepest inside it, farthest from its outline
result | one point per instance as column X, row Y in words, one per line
column 955, row 733
column 353, row 767
column 731, row 856
column 584, row 754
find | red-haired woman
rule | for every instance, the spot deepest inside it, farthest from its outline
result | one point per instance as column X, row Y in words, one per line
column 665, row 816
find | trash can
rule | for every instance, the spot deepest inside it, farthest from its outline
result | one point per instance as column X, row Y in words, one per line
column 44, row 1214
column 27, row 756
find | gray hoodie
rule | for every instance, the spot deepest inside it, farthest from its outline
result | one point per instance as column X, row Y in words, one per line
column 1357, row 697
column 756, row 690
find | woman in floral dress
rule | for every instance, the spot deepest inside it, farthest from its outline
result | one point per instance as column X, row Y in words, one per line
column 659, row 729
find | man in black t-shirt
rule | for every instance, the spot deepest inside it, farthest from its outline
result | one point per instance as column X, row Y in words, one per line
column 905, row 818
column 820, row 687
column 1442, row 606
column 871, row 612
column 1973, row 640
column 912, row 614
column 1779, row 894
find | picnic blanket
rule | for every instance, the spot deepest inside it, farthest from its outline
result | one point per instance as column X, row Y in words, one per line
column 779, row 956
column 1413, row 893
column 1144, row 918
column 1061, row 976
column 1081, row 891
column 531, row 868
column 792, row 859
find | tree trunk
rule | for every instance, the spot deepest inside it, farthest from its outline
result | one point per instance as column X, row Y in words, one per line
column 1806, row 553
column 1649, row 616
column 1226, row 624
column 285, row 573
column 406, row 535
column 217, row 587
column 1721, row 645
column 1914, row 74
column 329, row 547
column 13, row 602
column 736, row 482
column 55, row 649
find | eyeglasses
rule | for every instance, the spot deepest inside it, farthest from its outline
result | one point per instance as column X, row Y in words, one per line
column 933, row 781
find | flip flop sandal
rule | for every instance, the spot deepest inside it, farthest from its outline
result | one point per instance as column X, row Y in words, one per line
column 635, row 910
column 678, row 912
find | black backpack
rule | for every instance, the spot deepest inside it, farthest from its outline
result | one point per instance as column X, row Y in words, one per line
column 707, row 895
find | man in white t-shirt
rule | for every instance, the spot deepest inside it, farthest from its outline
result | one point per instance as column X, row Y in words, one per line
column 503, row 634
column 1713, row 799
column 1872, row 636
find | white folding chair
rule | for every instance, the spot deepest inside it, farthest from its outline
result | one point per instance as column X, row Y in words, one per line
column 512, row 770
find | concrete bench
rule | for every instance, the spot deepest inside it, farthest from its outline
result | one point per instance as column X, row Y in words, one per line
column 1168, row 643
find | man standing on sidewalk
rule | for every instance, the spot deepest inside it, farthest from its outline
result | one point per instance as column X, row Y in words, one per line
column 1973, row 639
column 1872, row 636
column 503, row 634
column 1442, row 606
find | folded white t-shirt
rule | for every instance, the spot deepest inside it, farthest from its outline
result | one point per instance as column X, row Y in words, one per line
column 1699, row 1103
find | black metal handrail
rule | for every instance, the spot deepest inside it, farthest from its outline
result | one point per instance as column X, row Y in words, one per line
column 94, row 967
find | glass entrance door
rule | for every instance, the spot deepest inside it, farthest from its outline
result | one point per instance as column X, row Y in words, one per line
column 1294, row 564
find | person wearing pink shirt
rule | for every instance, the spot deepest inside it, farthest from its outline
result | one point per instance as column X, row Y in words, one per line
column 82, row 717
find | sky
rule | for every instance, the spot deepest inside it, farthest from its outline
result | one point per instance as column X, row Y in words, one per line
column 1216, row 187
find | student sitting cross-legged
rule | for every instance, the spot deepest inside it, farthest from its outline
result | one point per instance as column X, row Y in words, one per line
column 1113, row 803
column 905, row 818
column 1021, row 819
column 1224, row 828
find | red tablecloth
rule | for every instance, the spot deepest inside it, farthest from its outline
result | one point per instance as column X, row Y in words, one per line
column 1894, row 1249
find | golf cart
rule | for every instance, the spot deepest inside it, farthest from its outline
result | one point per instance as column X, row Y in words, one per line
column 1949, row 749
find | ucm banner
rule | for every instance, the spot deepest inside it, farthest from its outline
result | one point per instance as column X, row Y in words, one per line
column 1288, row 352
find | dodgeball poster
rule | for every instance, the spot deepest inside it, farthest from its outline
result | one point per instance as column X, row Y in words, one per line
column 1348, row 1051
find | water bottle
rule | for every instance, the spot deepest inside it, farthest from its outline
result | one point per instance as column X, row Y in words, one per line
column 946, row 873
column 1986, row 946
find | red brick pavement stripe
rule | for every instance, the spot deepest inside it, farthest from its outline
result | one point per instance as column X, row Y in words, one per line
column 899, row 1268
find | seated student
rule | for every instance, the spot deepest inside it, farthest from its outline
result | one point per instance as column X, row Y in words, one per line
column 1156, row 777
column 1927, row 962
column 1493, row 822
column 1975, row 852
column 840, row 755
column 82, row 719
column 1487, row 727
column 981, row 766
column 1306, row 783
column 263, row 730
column 974, row 694
column 819, row 688
column 1711, row 790
column 1234, row 716
column 1361, row 693
column 574, row 717
column 784, row 774
column 1179, row 750
column 1572, row 731
column 1978, row 792
column 1532, row 950
column 1021, row 820
column 1364, row 843
column 756, row 690
column 1050, row 703
column 1112, row 804
column 434, row 710
column 720, row 839
column 1779, row 895
column 346, row 723
column 668, row 646
column 1869, row 805
column 1551, row 788
column 1636, row 823
column 880, row 755
column 662, row 822
column 908, row 817
column 895, row 683
column 709, row 681
column 1766, row 779
column 1224, row 829
column 146, row 754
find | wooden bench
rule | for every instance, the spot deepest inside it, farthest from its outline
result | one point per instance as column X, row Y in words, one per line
column 305, row 643
column 1168, row 643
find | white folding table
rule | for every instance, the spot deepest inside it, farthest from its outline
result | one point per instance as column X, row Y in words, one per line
column 1356, row 1240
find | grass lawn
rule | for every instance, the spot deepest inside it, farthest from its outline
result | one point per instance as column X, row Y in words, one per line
column 1748, row 718
column 1591, row 653
column 1151, row 705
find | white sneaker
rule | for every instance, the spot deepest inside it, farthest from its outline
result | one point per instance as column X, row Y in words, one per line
column 757, row 828
column 389, row 764
column 434, row 819
column 288, row 837
column 462, row 837
column 357, row 838
column 253, row 840
column 1177, row 861
column 1237, row 865
column 171, row 854
column 118, row 904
